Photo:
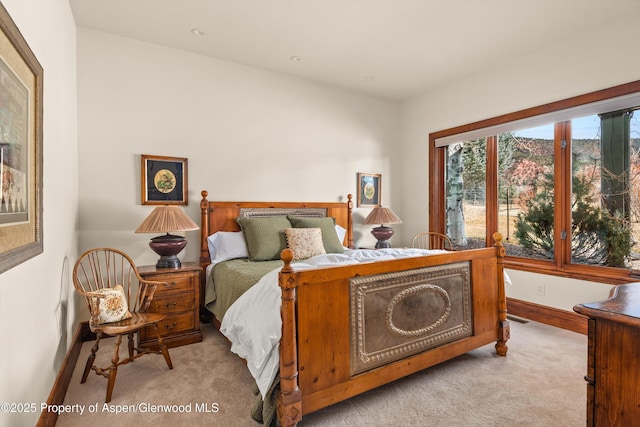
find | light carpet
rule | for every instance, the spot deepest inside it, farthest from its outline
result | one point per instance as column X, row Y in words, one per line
column 539, row 383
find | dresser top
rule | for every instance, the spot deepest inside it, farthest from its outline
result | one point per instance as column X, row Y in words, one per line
column 623, row 305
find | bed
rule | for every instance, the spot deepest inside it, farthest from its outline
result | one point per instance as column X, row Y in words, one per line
column 347, row 329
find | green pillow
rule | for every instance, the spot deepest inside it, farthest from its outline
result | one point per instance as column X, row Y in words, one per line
column 265, row 236
column 332, row 244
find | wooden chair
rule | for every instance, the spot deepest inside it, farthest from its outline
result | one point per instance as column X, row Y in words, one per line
column 432, row 240
column 95, row 276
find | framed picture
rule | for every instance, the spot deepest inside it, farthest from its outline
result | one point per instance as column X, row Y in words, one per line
column 21, row 79
column 164, row 180
column 369, row 186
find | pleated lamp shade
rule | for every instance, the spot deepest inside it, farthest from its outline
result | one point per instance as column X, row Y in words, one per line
column 167, row 219
column 381, row 215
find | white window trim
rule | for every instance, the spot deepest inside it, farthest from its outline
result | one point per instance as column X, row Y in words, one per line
column 607, row 105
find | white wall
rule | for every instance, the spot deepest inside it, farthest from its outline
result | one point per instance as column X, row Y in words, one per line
column 599, row 58
column 248, row 134
column 35, row 313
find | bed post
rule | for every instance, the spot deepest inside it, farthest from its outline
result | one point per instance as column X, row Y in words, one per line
column 503, row 326
column 289, row 399
column 349, row 221
column 204, row 229
column 205, row 260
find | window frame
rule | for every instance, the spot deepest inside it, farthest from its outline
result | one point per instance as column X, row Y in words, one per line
column 561, row 265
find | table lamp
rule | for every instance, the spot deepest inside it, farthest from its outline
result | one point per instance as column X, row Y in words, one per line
column 166, row 219
column 381, row 215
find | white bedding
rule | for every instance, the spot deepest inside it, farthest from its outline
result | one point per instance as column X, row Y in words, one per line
column 253, row 323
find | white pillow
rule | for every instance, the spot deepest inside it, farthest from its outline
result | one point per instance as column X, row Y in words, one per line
column 225, row 245
column 341, row 232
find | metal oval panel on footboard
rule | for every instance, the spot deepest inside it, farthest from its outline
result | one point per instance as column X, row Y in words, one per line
column 395, row 315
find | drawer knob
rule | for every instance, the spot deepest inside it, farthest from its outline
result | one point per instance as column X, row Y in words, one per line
column 171, row 284
column 167, row 326
column 170, row 305
column 589, row 380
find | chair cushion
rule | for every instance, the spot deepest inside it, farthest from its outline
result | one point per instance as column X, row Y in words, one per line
column 113, row 304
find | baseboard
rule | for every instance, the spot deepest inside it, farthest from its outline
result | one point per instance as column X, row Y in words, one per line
column 60, row 386
column 549, row 315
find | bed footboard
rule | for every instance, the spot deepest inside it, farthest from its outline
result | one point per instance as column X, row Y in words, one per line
column 381, row 321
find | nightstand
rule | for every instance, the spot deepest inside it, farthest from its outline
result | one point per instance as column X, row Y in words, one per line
column 179, row 300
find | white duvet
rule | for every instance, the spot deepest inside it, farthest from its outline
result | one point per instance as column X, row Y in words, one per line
column 253, row 323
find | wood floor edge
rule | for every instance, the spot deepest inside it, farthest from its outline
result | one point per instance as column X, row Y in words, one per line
column 61, row 385
column 548, row 315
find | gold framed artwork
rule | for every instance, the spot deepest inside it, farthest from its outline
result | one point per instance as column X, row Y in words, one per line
column 21, row 80
column 163, row 180
column 369, row 186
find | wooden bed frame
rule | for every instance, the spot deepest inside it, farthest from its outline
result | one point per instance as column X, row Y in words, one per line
column 316, row 351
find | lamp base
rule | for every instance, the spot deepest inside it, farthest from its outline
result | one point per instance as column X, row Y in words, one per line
column 382, row 234
column 168, row 262
column 168, row 247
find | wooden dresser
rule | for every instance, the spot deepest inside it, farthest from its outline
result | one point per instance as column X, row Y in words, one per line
column 179, row 300
column 613, row 369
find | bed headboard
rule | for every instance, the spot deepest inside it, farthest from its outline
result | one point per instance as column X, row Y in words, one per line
column 221, row 216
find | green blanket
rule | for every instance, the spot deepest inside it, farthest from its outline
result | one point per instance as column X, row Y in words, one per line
column 232, row 278
column 264, row 412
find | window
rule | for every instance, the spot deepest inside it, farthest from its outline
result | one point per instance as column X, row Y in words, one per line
column 525, row 192
column 465, row 200
column 605, row 180
column 560, row 182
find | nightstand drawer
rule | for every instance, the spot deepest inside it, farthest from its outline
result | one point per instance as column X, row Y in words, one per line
column 178, row 300
column 172, row 302
column 172, row 324
column 177, row 282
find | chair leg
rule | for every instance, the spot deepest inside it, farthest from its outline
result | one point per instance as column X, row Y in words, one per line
column 131, row 346
column 113, row 369
column 91, row 358
column 163, row 347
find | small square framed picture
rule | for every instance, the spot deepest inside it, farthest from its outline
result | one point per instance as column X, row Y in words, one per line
column 369, row 186
column 163, row 180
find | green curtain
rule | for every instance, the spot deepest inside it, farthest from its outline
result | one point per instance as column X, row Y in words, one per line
column 614, row 155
